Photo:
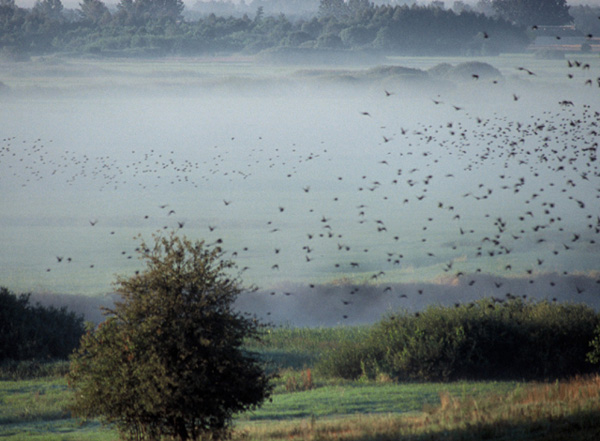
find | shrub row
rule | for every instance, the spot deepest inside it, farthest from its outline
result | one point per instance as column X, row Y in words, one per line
column 487, row 339
column 35, row 332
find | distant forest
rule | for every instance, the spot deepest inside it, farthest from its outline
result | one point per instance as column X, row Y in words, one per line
column 162, row 27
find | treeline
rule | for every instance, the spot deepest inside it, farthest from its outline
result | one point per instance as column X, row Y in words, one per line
column 35, row 332
column 484, row 340
column 153, row 27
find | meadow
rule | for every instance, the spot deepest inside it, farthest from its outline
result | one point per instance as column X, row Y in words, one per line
column 308, row 406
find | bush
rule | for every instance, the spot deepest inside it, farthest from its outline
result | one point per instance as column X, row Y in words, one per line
column 36, row 332
column 168, row 361
column 482, row 340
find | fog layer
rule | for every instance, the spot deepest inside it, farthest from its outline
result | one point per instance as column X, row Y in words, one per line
column 339, row 193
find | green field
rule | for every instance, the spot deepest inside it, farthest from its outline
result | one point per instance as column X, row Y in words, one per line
column 306, row 405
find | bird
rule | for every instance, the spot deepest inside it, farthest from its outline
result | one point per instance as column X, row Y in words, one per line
column 529, row 72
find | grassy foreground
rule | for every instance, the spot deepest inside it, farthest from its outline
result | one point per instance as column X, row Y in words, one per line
column 567, row 410
column 308, row 406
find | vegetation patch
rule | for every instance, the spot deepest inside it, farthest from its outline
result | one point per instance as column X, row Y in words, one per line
column 487, row 339
column 550, row 411
column 35, row 332
column 336, row 408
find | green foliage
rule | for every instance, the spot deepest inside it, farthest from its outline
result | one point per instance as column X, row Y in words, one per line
column 30, row 332
column 159, row 30
column 594, row 355
column 94, row 11
column 168, row 361
column 481, row 340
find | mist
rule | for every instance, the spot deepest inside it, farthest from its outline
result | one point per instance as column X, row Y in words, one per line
column 342, row 192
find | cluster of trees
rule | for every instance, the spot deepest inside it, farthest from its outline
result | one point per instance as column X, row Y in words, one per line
column 35, row 332
column 159, row 27
column 487, row 339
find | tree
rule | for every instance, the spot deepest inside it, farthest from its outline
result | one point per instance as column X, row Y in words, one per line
column 333, row 8
column 143, row 11
column 168, row 360
column 49, row 9
column 160, row 9
column 94, row 11
column 534, row 12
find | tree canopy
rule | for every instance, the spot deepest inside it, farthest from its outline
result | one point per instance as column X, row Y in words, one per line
column 168, row 361
column 157, row 27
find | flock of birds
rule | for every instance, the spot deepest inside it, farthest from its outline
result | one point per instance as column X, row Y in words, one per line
column 479, row 201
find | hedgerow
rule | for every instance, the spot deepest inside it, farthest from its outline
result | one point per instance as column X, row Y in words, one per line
column 487, row 339
column 36, row 332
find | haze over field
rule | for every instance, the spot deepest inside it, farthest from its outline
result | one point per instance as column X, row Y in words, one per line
column 340, row 193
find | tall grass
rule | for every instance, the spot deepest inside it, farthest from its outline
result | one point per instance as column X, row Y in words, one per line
column 301, row 348
column 568, row 410
column 29, row 369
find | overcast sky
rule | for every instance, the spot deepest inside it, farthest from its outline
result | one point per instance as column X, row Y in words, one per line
column 189, row 3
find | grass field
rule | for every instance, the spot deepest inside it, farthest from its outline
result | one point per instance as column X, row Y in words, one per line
column 307, row 406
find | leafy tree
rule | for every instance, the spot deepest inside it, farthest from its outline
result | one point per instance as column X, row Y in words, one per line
column 357, row 36
column 357, row 7
column 333, row 8
column 160, row 9
column 49, row 9
column 94, row 11
column 143, row 11
column 168, row 361
column 530, row 12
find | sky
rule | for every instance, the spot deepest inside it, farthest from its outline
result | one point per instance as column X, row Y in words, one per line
column 74, row 4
